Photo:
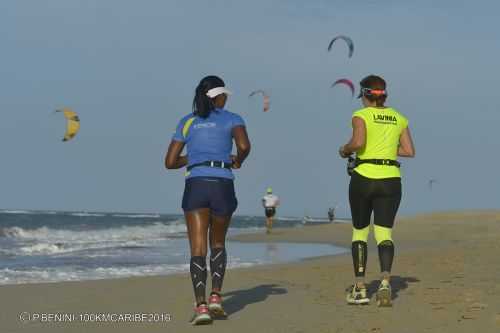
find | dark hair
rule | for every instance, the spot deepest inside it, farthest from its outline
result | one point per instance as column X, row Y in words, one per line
column 376, row 83
column 202, row 104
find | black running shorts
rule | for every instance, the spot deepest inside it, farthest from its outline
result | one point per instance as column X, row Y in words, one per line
column 214, row 193
column 270, row 211
column 380, row 196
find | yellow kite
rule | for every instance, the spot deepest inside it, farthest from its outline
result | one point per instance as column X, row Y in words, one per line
column 72, row 124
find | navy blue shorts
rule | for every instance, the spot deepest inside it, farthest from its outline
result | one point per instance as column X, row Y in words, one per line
column 210, row 192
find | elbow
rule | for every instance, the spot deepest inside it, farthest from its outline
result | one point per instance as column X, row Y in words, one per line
column 169, row 164
column 411, row 152
column 244, row 148
column 408, row 153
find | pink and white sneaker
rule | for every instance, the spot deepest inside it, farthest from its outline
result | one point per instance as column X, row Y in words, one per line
column 215, row 306
column 201, row 315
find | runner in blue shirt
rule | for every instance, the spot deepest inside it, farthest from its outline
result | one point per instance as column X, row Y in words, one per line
column 209, row 199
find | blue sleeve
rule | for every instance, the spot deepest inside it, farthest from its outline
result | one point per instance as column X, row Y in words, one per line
column 178, row 136
column 238, row 120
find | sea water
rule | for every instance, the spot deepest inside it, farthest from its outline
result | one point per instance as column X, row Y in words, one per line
column 52, row 246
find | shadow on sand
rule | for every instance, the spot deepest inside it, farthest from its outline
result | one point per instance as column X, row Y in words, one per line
column 398, row 283
column 241, row 298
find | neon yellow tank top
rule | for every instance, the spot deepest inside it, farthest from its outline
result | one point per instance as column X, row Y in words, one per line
column 383, row 130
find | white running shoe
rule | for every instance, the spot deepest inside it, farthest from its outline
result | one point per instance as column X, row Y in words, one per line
column 356, row 295
column 384, row 294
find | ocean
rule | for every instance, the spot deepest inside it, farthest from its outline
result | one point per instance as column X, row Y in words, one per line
column 53, row 246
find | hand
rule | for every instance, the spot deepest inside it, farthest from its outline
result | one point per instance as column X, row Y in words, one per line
column 235, row 163
column 342, row 153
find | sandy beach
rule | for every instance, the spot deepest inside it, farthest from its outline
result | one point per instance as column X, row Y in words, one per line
column 446, row 279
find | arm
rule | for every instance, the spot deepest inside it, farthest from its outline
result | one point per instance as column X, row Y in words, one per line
column 358, row 139
column 242, row 146
column 173, row 159
column 406, row 147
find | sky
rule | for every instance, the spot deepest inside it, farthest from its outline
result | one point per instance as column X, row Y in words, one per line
column 129, row 68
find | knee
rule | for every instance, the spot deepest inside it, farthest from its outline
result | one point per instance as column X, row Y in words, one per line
column 386, row 243
column 383, row 236
column 217, row 244
column 360, row 235
column 217, row 248
column 198, row 251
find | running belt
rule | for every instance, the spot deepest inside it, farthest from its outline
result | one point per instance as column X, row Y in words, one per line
column 211, row 164
column 378, row 161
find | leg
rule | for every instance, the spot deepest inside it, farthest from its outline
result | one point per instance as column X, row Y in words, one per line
column 385, row 208
column 269, row 218
column 361, row 210
column 386, row 205
column 383, row 237
column 197, row 227
column 223, row 203
column 218, row 255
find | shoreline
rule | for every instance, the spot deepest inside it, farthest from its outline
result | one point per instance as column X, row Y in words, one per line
column 445, row 280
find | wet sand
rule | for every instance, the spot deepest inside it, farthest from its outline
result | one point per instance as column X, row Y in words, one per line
column 446, row 279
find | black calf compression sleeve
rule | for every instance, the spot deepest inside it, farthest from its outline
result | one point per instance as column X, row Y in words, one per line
column 218, row 261
column 359, row 257
column 198, row 269
column 386, row 255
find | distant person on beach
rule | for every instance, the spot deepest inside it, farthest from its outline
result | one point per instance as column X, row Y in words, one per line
column 270, row 203
column 209, row 198
column 380, row 134
column 331, row 214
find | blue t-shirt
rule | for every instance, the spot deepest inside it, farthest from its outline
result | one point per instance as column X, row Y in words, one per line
column 208, row 139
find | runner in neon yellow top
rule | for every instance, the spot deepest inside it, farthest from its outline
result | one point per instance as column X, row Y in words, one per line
column 379, row 135
column 383, row 130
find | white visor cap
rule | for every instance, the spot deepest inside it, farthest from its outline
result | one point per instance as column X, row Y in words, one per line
column 217, row 91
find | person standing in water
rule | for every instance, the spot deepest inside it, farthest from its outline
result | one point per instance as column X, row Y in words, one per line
column 270, row 203
column 209, row 198
column 380, row 134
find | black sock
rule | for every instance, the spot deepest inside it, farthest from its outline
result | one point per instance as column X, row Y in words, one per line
column 359, row 257
column 386, row 255
column 198, row 269
column 218, row 261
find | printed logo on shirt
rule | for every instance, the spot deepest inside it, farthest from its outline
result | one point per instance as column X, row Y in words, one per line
column 385, row 119
column 204, row 125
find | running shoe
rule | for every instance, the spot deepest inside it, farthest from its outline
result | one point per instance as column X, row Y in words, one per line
column 215, row 306
column 201, row 315
column 356, row 295
column 384, row 297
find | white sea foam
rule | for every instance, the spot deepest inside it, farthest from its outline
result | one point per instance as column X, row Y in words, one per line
column 16, row 211
column 288, row 218
column 85, row 214
column 138, row 216
column 47, row 241
column 67, row 248
column 150, row 231
column 38, row 274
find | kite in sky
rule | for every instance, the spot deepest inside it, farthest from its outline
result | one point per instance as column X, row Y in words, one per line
column 72, row 123
column 348, row 40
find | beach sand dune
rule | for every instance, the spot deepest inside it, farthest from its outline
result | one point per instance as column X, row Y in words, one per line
column 446, row 279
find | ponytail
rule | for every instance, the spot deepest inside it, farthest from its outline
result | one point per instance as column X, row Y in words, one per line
column 378, row 100
column 202, row 104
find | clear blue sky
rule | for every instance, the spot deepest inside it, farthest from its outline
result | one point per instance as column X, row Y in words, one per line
column 129, row 68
